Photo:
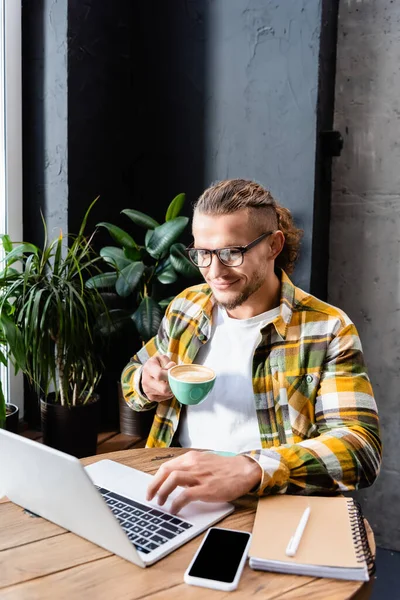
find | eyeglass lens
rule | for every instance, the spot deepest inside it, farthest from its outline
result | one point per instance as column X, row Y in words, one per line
column 228, row 256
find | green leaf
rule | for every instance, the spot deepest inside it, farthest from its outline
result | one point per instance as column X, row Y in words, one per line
column 168, row 274
column 165, row 235
column 119, row 235
column 175, row 207
column 164, row 303
column 102, row 280
column 14, row 339
column 140, row 218
column 85, row 218
column 147, row 237
column 147, row 318
column 181, row 263
column 7, row 243
column 19, row 252
column 129, row 278
column 114, row 256
column 3, row 359
column 132, row 253
column 115, row 321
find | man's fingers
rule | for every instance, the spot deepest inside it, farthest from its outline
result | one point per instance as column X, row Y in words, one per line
column 163, row 360
column 170, row 365
column 157, row 367
column 190, row 494
column 175, row 464
column 182, row 478
column 157, row 398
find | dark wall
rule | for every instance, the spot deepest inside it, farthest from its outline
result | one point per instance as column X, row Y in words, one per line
column 135, row 105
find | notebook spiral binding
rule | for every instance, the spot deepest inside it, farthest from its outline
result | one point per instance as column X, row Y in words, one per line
column 359, row 533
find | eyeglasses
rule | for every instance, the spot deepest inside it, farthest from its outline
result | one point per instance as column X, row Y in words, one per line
column 230, row 257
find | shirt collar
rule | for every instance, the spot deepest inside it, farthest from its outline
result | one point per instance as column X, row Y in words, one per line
column 286, row 305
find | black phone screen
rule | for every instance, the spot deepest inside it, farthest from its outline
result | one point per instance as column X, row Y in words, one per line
column 220, row 555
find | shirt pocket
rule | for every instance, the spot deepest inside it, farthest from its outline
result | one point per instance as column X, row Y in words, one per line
column 294, row 399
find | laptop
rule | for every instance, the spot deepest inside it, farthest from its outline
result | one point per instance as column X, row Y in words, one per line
column 104, row 503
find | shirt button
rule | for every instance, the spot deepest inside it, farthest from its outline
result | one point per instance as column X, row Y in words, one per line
column 309, row 378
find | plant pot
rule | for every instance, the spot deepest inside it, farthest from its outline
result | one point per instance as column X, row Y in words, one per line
column 71, row 429
column 132, row 422
column 12, row 418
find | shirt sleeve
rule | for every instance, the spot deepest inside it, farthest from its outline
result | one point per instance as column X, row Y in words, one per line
column 132, row 373
column 346, row 453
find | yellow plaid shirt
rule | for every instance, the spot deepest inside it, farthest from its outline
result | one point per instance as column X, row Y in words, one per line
column 318, row 421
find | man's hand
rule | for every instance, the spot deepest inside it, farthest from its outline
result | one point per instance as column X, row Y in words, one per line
column 155, row 378
column 206, row 476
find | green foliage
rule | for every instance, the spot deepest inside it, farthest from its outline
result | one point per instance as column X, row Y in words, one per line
column 48, row 314
column 137, row 269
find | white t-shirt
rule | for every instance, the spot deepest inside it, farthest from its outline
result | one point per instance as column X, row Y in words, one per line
column 226, row 420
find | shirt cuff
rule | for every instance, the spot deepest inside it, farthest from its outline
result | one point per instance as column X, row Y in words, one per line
column 275, row 474
column 141, row 398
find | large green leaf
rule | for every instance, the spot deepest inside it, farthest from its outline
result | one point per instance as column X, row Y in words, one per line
column 102, row 280
column 167, row 274
column 115, row 321
column 147, row 318
column 175, row 207
column 180, row 261
column 115, row 256
column 147, row 237
column 19, row 251
column 14, row 339
column 7, row 243
column 119, row 235
column 132, row 253
column 140, row 218
column 165, row 235
column 129, row 278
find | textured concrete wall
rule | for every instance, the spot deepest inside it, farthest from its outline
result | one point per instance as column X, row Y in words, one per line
column 364, row 274
column 45, row 116
column 262, row 86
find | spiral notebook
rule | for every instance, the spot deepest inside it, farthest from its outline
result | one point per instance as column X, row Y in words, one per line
column 334, row 542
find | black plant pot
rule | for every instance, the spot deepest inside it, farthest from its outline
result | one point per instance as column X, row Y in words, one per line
column 71, row 429
column 132, row 422
column 12, row 417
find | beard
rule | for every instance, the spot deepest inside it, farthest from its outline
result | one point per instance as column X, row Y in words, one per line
column 240, row 297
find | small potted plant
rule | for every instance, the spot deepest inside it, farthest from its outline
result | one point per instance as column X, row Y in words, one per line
column 139, row 273
column 48, row 317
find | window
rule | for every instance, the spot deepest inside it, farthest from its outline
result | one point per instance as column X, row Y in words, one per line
column 11, row 150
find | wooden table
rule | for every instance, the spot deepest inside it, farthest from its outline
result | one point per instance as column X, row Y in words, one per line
column 39, row 560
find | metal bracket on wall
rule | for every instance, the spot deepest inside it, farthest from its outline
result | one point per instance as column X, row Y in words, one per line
column 331, row 143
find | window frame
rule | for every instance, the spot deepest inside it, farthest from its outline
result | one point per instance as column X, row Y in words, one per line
column 11, row 152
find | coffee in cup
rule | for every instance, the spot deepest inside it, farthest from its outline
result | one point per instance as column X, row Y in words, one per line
column 190, row 384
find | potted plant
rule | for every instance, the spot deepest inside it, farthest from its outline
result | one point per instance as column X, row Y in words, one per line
column 139, row 274
column 48, row 317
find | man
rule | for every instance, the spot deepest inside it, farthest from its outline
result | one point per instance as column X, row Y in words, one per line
column 292, row 399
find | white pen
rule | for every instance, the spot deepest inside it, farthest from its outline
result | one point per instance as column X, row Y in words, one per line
column 295, row 539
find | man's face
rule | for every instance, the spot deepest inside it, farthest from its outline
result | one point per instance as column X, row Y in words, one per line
column 233, row 286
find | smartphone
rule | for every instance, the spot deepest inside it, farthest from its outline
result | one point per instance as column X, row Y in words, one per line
column 219, row 561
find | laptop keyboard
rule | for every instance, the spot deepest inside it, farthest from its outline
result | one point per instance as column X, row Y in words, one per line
column 146, row 527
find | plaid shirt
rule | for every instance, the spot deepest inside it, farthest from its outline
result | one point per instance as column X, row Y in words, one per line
column 318, row 421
